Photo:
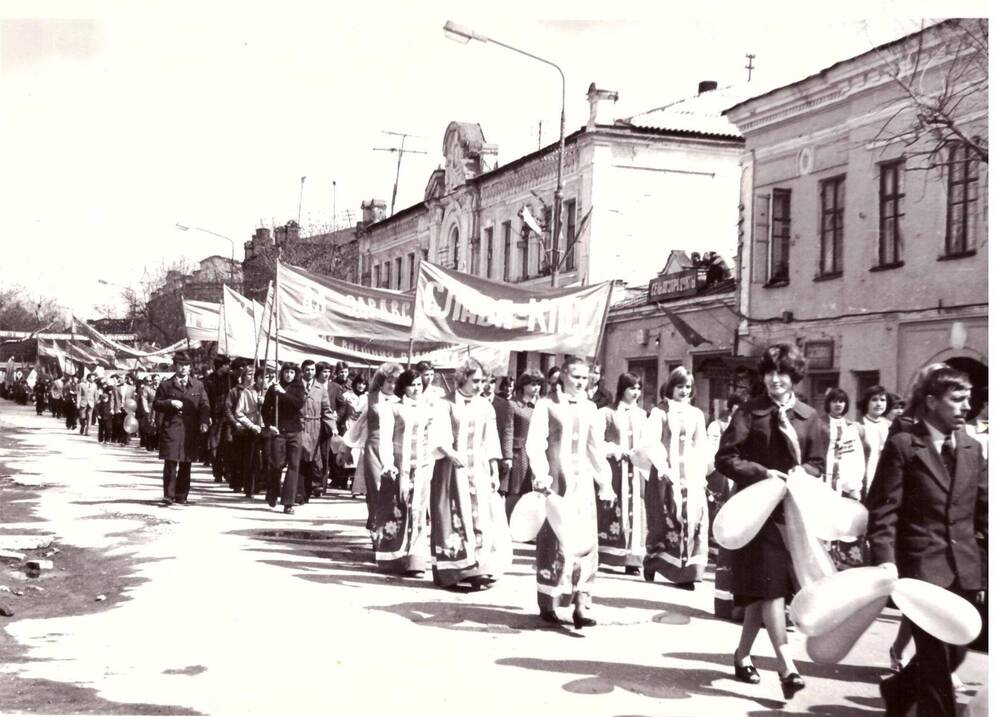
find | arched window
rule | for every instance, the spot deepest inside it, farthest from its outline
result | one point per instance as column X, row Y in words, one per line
column 454, row 246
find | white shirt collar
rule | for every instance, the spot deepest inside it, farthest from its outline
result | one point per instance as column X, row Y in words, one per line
column 937, row 437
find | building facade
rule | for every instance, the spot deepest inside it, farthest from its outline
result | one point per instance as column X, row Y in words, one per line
column 634, row 188
column 162, row 317
column 863, row 237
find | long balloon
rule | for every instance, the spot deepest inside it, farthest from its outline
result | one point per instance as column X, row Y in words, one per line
column 829, row 516
column 503, row 549
column 527, row 517
column 575, row 536
column 937, row 611
column 823, row 606
column 744, row 514
column 810, row 560
column 834, row 645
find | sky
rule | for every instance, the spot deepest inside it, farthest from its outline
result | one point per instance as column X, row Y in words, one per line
column 119, row 120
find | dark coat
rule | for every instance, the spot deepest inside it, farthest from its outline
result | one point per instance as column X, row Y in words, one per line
column 505, row 425
column 932, row 526
column 750, row 446
column 602, row 396
column 289, row 407
column 179, row 432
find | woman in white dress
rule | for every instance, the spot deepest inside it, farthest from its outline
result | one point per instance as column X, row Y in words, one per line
column 676, row 501
column 874, row 430
column 565, row 447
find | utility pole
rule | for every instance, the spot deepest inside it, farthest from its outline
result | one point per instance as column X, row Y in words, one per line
column 400, row 151
column 749, row 66
column 335, row 205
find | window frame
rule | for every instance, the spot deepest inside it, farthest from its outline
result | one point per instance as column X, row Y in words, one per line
column 569, row 260
column 891, row 199
column 399, row 273
column 773, row 276
column 834, row 232
column 969, row 179
column 489, row 252
column 507, row 246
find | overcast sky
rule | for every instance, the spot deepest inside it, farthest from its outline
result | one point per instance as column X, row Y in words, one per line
column 120, row 119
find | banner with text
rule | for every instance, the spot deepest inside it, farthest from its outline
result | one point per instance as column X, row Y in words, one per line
column 458, row 308
column 309, row 303
column 201, row 320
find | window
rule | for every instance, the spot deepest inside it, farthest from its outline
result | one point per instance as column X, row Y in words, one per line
column 780, row 236
column 523, row 246
column 506, row 252
column 890, row 212
column 399, row 273
column 378, row 276
column 474, row 256
column 831, row 245
column 489, row 252
column 385, row 275
column 819, row 384
column 413, row 265
column 570, row 262
column 963, row 196
column 454, row 248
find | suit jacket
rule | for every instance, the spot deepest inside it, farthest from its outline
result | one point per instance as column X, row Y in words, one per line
column 315, row 409
column 289, row 408
column 179, row 432
column 927, row 523
column 86, row 394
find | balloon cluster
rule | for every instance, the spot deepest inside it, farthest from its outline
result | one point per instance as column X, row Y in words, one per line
column 130, row 424
column 532, row 510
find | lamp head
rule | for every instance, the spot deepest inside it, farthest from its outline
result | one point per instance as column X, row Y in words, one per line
column 456, row 32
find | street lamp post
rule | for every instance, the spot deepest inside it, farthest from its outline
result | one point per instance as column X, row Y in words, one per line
column 463, row 34
column 232, row 245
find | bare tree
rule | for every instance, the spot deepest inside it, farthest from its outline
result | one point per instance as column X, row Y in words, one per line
column 943, row 74
column 155, row 302
column 22, row 311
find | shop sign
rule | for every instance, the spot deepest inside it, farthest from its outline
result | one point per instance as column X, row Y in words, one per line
column 678, row 284
column 819, row 354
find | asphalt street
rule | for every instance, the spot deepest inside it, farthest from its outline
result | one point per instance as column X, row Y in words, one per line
column 239, row 609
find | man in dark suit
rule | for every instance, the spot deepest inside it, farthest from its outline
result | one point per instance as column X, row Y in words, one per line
column 927, row 520
column 596, row 390
column 184, row 404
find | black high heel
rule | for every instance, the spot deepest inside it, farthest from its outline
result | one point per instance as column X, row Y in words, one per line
column 746, row 673
column 550, row 616
column 581, row 621
column 790, row 684
column 648, row 573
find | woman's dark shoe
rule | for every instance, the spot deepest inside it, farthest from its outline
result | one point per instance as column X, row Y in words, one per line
column 745, row 673
column 648, row 573
column 631, row 569
column 550, row 616
column 581, row 621
column 684, row 586
column 790, row 684
column 289, row 510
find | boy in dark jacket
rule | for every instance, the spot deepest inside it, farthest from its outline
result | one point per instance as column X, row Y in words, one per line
column 282, row 414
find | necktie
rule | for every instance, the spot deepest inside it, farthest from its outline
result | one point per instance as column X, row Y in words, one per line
column 948, row 455
column 788, row 432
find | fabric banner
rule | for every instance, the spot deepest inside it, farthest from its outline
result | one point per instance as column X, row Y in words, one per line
column 240, row 329
column 310, row 304
column 113, row 347
column 457, row 308
column 201, row 320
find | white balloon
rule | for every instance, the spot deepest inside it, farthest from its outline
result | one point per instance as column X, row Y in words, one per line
column 527, row 517
column 833, row 646
column 576, row 537
column 810, row 560
column 503, row 551
column 828, row 516
column 743, row 514
column 937, row 611
column 823, row 606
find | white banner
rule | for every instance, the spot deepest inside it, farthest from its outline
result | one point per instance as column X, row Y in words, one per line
column 201, row 320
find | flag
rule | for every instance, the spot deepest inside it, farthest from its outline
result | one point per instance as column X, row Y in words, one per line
column 109, row 347
column 239, row 329
column 461, row 309
column 528, row 218
column 201, row 320
column 684, row 328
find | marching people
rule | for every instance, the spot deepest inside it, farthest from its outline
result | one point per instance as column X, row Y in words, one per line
column 104, row 415
column 874, row 430
column 596, row 390
column 70, row 387
column 56, row 397
column 282, row 416
column 243, row 410
column 676, row 498
column 145, row 413
column 503, row 409
column 86, row 398
column 318, row 425
column 324, row 379
column 406, row 452
column 517, row 480
column 565, row 450
column 552, row 383
column 928, row 515
column 431, row 392
column 41, row 394
column 765, row 439
column 621, row 524
column 466, row 530
column 184, row 404
column 349, row 458
column 217, row 386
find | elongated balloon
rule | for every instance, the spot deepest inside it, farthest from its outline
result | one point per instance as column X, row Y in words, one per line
column 937, row 611
column 743, row 514
column 828, row 602
column 502, row 549
column 833, row 646
column 828, row 516
column 527, row 517
column 646, row 456
column 130, row 425
column 810, row 560
column 576, row 536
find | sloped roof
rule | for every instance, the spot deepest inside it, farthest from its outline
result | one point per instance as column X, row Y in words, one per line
column 701, row 114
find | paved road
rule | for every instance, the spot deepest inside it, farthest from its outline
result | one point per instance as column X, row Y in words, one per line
column 241, row 610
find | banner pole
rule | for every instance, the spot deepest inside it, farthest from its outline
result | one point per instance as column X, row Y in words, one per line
column 409, row 354
column 277, row 336
column 604, row 322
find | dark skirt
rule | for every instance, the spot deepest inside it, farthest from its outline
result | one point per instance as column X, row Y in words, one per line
column 762, row 569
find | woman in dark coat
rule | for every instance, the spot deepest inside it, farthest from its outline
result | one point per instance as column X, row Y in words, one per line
column 517, row 480
column 758, row 444
column 184, row 405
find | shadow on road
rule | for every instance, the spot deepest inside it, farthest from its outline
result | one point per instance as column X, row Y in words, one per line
column 846, row 673
column 465, row 617
column 670, row 613
column 669, row 683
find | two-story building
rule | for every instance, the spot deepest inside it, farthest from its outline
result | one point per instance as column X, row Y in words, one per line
column 634, row 189
column 162, row 317
column 863, row 235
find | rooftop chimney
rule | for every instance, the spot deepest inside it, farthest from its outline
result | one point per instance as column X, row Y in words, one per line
column 707, row 86
column 372, row 211
column 601, row 102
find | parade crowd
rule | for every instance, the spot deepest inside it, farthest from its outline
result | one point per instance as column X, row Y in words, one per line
column 443, row 473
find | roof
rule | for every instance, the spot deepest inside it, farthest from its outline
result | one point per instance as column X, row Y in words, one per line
column 698, row 115
column 826, row 70
column 721, row 287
